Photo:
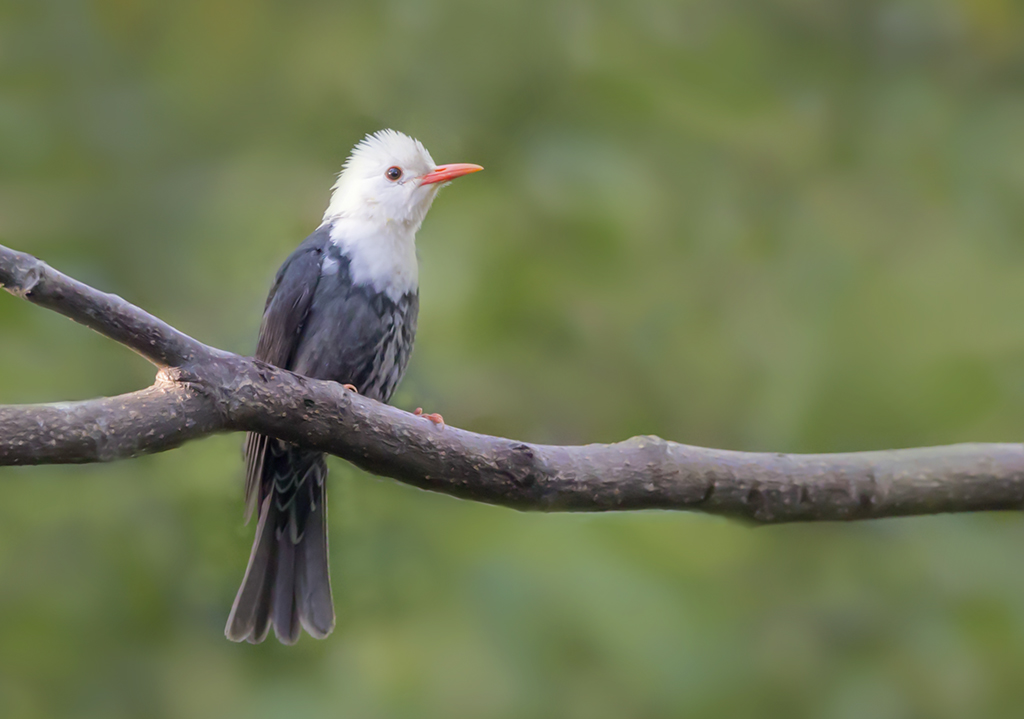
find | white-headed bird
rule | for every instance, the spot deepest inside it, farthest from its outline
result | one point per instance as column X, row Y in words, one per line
column 343, row 307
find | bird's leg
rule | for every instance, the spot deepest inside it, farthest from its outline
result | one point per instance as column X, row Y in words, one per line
column 350, row 388
column 435, row 417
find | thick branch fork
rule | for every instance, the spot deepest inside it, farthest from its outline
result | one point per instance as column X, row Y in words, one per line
column 200, row 390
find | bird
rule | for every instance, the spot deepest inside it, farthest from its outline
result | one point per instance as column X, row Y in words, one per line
column 342, row 307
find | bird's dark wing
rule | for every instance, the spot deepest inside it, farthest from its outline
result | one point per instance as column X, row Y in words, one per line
column 284, row 318
column 289, row 302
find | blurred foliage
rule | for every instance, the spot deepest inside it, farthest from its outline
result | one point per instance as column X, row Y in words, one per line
column 792, row 225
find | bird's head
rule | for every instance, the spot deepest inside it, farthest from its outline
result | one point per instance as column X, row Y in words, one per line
column 390, row 178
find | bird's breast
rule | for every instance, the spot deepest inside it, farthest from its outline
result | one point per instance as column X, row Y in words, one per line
column 382, row 257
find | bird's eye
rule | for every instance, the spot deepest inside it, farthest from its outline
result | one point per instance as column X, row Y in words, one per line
column 393, row 173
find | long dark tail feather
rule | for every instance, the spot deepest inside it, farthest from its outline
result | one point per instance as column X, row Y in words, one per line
column 287, row 582
column 312, row 584
column 250, row 608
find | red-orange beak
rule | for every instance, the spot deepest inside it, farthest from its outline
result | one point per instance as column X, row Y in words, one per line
column 443, row 173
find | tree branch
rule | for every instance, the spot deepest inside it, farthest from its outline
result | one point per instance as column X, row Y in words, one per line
column 201, row 390
column 24, row 276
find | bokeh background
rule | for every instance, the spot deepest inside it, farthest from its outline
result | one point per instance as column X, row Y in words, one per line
column 789, row 225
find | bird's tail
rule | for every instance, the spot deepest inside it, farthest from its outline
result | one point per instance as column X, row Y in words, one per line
column 287, row 582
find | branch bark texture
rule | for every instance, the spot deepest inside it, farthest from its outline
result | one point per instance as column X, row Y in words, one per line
column 200, row 390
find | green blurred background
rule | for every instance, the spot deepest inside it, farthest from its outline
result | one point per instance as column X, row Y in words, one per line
column 752, row 224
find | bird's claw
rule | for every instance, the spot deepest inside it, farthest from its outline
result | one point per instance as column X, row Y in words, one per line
column 434, row 417
column 350, row 388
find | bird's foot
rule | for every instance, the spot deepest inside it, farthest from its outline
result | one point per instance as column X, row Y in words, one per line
column 435, row 417
column 350, row 388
